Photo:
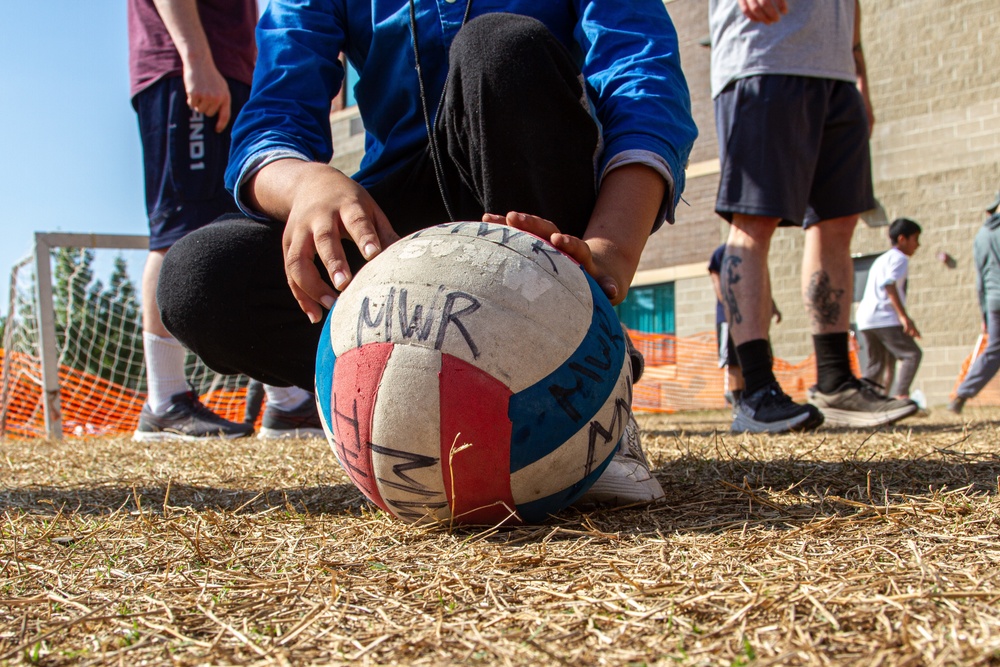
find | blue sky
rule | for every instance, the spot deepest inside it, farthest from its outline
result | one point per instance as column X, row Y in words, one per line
column 71, row 155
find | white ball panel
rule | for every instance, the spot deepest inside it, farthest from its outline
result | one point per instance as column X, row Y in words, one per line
column 406, row 435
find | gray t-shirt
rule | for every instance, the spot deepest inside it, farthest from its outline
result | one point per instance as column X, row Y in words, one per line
column 815, row 38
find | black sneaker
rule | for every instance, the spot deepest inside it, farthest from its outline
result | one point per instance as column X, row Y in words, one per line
column 956, row 405
column 859, row 404
column 770, row 410
column 186, row 419
column 302, row 422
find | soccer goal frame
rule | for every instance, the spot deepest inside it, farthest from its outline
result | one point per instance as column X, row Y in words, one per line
column 45, row 242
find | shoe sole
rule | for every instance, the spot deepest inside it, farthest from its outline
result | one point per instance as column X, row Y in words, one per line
column 854, row 419
column 807, row 421
column 167, row 436
column 282, row 433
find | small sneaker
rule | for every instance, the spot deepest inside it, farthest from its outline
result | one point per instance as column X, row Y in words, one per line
column 956, row 405
column 859, row 404
column 771, row 410
column 300, row 422
column 627, row 479
column 186, row 419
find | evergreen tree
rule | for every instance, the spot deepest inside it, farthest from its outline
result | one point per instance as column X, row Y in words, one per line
column 120, row 322
column 98, row 329
column 71, row 277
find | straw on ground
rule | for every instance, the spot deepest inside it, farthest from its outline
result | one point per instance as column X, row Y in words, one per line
column 826, row 548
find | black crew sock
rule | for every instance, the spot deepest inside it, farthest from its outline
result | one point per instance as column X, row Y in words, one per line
column 756, row 362
column 833, row 361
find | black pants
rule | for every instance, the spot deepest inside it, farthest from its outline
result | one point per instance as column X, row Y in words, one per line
column 514, row 134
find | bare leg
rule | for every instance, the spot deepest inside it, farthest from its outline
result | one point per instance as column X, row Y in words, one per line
column 151, row 322
column 827, row 291
column 170, row 409
column 735, row 378
column 745, row 279
column 746, row 290
column 164, row 355
column 828, row 275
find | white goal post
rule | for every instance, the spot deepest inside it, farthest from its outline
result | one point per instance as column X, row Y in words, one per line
column 72, row 348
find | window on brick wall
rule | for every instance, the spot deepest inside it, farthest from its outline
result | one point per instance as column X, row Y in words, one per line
column 345, row 98
column 649, row 309
column 349, row 81
column 862, row 265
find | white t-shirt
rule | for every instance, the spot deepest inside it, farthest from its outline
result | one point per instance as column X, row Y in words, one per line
column 875, row 310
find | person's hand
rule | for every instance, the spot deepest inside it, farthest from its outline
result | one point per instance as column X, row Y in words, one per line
column 764, row 11
column 208, row 93
column 775, row 313
column 597, row 261
column 909, row 328
column 321, row 207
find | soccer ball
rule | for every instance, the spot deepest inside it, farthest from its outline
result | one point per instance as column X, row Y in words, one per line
column 473, row 374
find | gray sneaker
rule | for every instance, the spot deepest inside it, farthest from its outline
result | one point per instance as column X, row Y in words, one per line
column 302, row 422
column 771, row 410
column 186, row 419
column 956, row 405
column 859, row 404
column 627, row 480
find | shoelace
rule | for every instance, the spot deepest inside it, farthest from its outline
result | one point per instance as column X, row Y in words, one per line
column 773, row 390
column 868, row 389
column 198, row 407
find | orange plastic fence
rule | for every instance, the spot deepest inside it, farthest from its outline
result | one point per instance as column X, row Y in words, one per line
column 990, row 394
column 681, row 374
column 90, row 405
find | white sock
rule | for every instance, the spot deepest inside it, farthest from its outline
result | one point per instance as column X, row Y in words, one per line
column 164, row 370
column 286, row 398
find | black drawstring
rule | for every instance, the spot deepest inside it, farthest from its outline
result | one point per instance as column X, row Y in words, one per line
column 431, row 135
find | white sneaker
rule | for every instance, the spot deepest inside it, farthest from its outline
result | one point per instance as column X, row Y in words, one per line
column 627, row 480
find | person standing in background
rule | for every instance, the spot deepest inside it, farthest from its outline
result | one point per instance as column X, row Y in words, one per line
column 191, row 65
column 887, row 332
column 986, row 251
column 793, row 119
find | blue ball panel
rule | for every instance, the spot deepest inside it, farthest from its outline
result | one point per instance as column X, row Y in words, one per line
column 325, row 362
column 538, row 511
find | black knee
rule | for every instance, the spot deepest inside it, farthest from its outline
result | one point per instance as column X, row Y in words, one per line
column 209, row 283
column 510, row 51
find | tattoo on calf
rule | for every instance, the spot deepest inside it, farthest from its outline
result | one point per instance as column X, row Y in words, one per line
column 824, row 299
column 731, row 276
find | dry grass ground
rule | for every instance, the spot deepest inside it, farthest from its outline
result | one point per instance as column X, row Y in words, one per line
column 827, row 548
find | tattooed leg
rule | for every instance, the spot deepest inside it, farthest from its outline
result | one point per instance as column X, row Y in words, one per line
column 744, row 280
column 823, row 301
column 828, row 275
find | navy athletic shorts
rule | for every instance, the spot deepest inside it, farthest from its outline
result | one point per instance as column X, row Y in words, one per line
column 184, row 160
column 793, row 147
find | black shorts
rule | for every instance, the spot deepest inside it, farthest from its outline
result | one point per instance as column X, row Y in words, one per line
column 793, row 147
column 184, row 160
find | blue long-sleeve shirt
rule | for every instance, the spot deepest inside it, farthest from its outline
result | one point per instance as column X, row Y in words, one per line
column 627, row 52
